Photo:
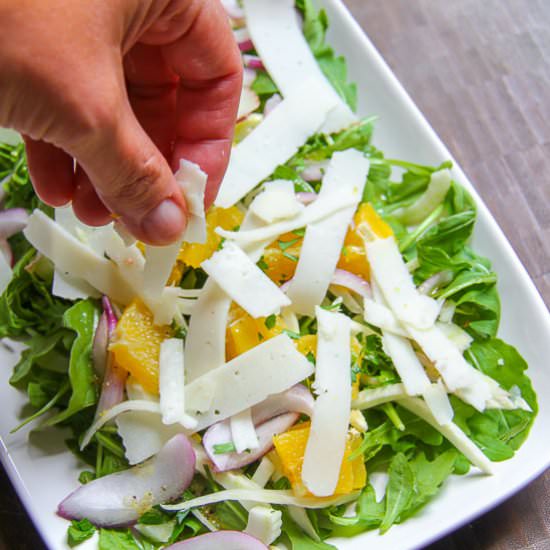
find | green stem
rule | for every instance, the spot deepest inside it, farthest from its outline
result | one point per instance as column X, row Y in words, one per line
column 62, row 390
column 98, row 460
column 411, row 237
column 106, row 442
column 391, row 413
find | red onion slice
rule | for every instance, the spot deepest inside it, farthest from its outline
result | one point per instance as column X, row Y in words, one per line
column 314, row 171
column 119, row 499
column 253, row 61
column 112, row 388
column 12, row 221
column 111, row 316
column 352, row 282
column 220, row 433
column 100, row 344
column 434, row 281
column 272, row 416
column 229, row 540
column 306, row 198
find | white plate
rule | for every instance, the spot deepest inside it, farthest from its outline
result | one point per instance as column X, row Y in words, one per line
column 43, row 472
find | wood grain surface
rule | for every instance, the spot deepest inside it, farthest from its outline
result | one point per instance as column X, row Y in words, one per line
column 480, row 72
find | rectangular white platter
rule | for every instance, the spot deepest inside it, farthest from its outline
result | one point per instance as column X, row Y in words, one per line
column 43, row 471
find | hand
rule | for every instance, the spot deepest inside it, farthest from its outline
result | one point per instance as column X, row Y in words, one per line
column 125, row 88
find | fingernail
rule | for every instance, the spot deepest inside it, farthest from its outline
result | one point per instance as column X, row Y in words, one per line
column 165, row 223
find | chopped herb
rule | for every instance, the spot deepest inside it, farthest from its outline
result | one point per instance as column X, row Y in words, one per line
column 290, row 256
column 291, row 334
column 79, row 531
column 262, row 264
column 283, row 245
column 270, row 321
column 224, row 448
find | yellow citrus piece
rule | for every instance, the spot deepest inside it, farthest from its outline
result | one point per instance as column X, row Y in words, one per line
column 281, row 262
column 136, row 347
column 290, row 447
column 353, row 257
column 193, row 254
column 244, row 332
column 307, row 344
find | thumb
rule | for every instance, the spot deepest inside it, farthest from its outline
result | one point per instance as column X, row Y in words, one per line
column 131, row 177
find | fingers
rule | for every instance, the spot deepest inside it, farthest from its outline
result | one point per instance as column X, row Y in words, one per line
column 86, row 204
column 131, row 178
column 51, row 171
column 209, row 65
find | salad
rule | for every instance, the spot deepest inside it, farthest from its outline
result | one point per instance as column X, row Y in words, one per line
column 314, row 359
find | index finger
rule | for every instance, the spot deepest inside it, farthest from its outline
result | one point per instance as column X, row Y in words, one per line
column 207, row 60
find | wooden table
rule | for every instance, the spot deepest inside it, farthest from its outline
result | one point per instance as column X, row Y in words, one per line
column 478, row 69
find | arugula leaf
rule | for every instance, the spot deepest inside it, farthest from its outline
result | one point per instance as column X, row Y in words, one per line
column 79, row 531
column 334, row 68
column 264, row 85
column 399, row 492
column 298, row 539
column 81, row 318
column 111, row 539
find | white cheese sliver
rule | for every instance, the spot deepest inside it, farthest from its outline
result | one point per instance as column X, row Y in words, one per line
column 406, row 363
column 456, row 372
column 279, row 40
column 396, row 283
column 380, row 316
column 437, row 401
column 263, row 472
column 274, row 140
column 264, row 523
column 70, row 288
column 323, row 241
column 71, row 256
column 452, row 432
column 244, row 281
column 5, row 273
column 331, row 411
column 240, row 384
column 243, row 432
column 276, row 202
column 316, row 211
column 205, row 341
column 161, row 259
column 172, row 384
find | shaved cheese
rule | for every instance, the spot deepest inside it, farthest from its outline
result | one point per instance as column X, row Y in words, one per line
column 172, row 384
column 316, row 211
column 192, row 181
column 277, row 202
column 440, row 183
column 330, row 418
column 245, row 282
column 437, row 401
column 280, row 42
column 372, row 397
column 71, row 256
column 161, row 259
column 323, row 241
column 406, row 363
column 240, row 384
column 243, row 432
column 205, row 342
column 391, row 274
column 275, row 140
column 266, row 496
column 459, row 337
column 6, row 273
column 113, row 412
column 380, row 316
column 456, row 372
column 290, row 320
column 264, row 523
column 71, row 288
column 200, row 399
column 452, row 432
column 263, row 472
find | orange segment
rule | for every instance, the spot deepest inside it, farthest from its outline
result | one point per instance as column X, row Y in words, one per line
column 307, row 344
column 228, row 218
column 290, row 447
column 244, row 332
column 137, row 344
column 353, row 257
column 281, row 257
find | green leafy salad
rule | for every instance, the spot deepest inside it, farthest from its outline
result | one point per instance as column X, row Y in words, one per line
column 313, row 360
